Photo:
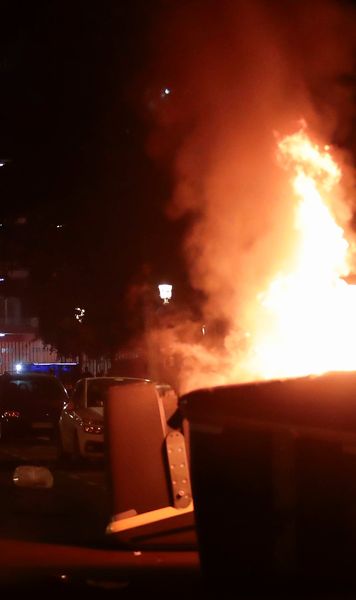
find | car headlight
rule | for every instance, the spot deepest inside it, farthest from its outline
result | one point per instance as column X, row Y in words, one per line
column 92, row 427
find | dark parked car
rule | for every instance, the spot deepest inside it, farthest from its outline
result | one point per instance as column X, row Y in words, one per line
column 30, row 402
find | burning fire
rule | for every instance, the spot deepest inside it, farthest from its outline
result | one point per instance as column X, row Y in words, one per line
column 307, row 320
column 304, row 322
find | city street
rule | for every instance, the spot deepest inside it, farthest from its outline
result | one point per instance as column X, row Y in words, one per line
column 74, row 511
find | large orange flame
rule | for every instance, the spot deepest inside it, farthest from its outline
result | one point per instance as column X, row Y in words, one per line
column 304, row 321
column 309, row 313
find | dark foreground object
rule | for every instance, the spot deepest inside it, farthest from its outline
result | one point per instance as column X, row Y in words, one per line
column 273, row 469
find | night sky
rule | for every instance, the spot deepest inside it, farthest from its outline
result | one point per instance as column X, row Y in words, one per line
column 69, row 122
column 73, row 134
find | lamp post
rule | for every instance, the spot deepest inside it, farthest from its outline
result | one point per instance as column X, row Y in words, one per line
column 154, row 320
column 165, row 292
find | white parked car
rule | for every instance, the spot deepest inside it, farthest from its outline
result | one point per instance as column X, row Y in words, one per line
column 81, row 425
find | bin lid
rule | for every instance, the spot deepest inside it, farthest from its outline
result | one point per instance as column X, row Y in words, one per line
column 327, row 401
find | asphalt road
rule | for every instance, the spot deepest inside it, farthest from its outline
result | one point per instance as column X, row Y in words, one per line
column 74, row 511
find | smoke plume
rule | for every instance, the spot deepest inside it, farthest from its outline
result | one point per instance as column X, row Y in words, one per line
column 240, row 74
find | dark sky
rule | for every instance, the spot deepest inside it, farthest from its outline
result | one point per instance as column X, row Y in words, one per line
column 63, row 70
column 69, row 124
column 73, row 132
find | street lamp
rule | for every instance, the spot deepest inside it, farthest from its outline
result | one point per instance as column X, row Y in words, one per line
column 79, row 313
column 165, row 292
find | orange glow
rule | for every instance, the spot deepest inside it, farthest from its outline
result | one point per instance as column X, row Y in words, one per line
column 307, row 315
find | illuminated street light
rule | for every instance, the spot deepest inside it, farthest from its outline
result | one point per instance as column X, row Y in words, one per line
column 166, row 91
column 79, row 313
column 165, row 292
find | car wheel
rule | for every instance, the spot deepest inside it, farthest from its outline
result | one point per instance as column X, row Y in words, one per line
column 76, row 454
column 4, row 433
column 54, row 435
column 62, row 455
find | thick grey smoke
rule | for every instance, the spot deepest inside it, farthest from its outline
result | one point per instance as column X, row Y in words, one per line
column 242, row 72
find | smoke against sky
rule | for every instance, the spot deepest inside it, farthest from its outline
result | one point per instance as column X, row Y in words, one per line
column 242, row 74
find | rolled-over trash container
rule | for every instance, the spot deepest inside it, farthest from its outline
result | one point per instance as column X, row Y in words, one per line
column 273, row 468
column 148, row 470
